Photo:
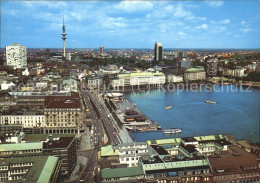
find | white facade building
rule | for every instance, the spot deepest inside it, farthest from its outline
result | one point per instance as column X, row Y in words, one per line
column 27, row 120
column 240, row 72
column 6, row 85
column 174, row 79
column 68, row 56
column 136, row 79
column 16, row 56
column 130, row 153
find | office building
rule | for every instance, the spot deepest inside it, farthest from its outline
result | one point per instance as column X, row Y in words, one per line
column 68, row 56
column 16, row 56
column 30, row 169
column 138, row 79
column 64, row 116
column 158, row 51
column 212, row 67
column 180, row 54
column 101, row 50
column 35, row 145
column 65, row 148
column 195, row 74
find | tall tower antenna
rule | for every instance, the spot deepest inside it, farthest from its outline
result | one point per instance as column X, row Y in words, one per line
column 64, row 38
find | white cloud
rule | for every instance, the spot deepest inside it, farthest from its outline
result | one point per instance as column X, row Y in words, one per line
column 110, row 22
column 243, row 22
column 245, row 30
column 220, row 29
column 169, row 8
column 49, row 4
column 132, row 6
column 215, row 3
column 203, row 26
column 180, row 12
column 182, row 34
column 226, row 21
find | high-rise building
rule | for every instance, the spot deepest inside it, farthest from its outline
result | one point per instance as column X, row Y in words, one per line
column 180, row 54
column 158, row 51
column 16, row 56
column 68, row 56
column 101, row 50
column 64, row 38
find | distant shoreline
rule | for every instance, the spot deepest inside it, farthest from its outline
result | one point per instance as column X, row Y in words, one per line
column 171, row 86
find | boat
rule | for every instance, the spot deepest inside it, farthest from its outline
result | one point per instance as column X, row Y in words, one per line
column 168, row 107
column 172, row 130
column 210, row 101
column 147, row 129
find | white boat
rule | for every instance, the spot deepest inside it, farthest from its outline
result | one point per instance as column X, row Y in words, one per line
column 210, row 101
column 168, row 107
column 146, row 129
column 172, row 130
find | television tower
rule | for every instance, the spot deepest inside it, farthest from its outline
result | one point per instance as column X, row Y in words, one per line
column 64, row 38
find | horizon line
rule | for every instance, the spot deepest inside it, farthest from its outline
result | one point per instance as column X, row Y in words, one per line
column 109, row 48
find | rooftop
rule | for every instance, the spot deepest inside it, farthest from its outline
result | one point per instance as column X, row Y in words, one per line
column 121, row 172
column 41, row 170
column 195, row 69
column 159, row 150
column 61, row 142
column 64, row 104
column 109, row 151
column 189, row 139
column 44, row 137
column 21, row 146
column 140, row 74
column 234, row 161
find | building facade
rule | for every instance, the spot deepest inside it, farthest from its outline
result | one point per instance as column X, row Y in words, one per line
column 27, row 120
column 30, row 169
column 195, row 74
column 138, row 79
column 65, row 148
column 16, row 56
column 212, row 67
column 158, row 51
column 101, row 50
column 130, row 154
column 64, row 116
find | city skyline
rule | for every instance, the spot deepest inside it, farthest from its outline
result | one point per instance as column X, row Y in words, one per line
column 137, row 24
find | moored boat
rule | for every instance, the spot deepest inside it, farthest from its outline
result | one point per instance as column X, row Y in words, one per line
column 210, row 101
column 172, row 130
column 146, row 129
column 168, row 107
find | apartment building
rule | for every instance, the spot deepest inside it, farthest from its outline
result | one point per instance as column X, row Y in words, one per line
column 16, row 56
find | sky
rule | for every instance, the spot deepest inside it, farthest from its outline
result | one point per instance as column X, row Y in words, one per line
column 132, row 24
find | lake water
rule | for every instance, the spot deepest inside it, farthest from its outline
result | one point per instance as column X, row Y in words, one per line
column 235, row 112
